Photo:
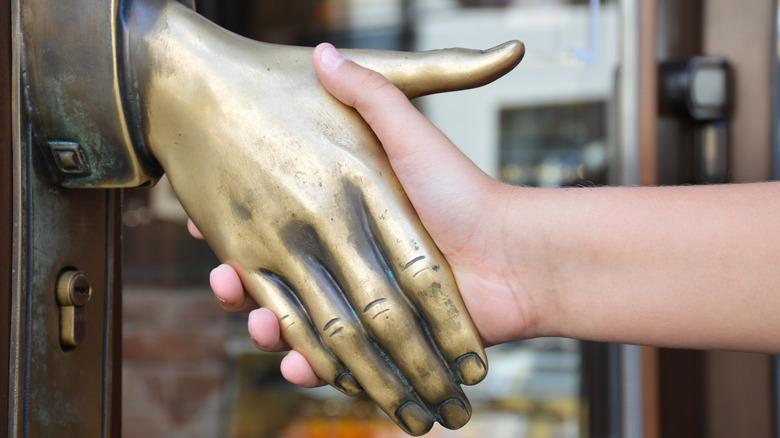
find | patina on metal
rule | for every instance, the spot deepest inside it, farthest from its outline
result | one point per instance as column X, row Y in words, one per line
column 288, row 185
column 56, row 391
column 72, row 60
column 53, row 390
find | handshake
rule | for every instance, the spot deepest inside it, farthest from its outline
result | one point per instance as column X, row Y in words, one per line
column 292, row 189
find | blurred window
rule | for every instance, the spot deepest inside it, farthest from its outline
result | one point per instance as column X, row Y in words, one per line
column 554, row 146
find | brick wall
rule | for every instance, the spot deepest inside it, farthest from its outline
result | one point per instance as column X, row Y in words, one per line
column 174, row 363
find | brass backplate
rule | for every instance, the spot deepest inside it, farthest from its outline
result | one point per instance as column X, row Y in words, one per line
column 63, row 43
column 55, row 390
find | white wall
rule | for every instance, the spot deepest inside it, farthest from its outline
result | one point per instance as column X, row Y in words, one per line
column 550, row 73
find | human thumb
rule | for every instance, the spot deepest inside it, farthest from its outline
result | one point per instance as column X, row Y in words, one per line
column 429, row 166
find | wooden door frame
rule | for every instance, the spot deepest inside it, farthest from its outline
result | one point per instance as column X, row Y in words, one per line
column 6, row 210
column 648, row 176
column 739, row 385
column 703, row 393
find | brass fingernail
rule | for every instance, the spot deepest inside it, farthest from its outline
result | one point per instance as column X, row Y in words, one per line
column 415, row 419
column 471, row 368
column 454, row 414
column 348, row 384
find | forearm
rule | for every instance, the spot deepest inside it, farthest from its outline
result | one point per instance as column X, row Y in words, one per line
column 690, row 267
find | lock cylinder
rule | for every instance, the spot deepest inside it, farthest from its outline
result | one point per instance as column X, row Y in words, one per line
column 73, row 294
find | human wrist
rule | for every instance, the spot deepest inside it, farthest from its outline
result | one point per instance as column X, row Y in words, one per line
column 534, row 235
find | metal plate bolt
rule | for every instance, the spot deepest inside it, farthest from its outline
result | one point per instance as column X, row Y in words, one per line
column 68, row 157
column 73, row 294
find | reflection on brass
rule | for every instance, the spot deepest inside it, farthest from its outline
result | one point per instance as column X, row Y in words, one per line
column 73, row 293
column 288, row 185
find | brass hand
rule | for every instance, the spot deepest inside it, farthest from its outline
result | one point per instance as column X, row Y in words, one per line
column 318, row 229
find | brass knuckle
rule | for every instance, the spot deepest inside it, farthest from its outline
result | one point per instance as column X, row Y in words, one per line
column 288, row 185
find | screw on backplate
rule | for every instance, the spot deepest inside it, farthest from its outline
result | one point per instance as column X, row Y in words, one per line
column 68, row 157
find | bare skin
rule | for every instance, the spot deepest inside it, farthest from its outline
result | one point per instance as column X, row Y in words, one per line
column 693, row 267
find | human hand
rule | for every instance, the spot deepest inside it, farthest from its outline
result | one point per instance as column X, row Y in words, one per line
column 460, row 206
column 634, row 266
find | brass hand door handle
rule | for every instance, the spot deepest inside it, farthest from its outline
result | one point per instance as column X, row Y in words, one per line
column 292, row 189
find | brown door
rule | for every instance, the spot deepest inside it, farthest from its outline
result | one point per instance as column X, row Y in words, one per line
column 5, row 203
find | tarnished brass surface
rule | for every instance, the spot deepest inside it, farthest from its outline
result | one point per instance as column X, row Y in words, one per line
column 56, row 391
column 73, row 59
column 293, row 190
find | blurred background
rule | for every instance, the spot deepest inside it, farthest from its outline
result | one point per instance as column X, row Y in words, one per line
column 610, row 92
